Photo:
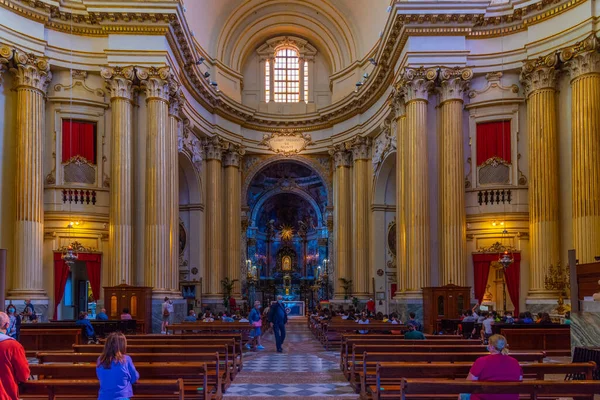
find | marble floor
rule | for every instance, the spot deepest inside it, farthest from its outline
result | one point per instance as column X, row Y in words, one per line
column 303, row 371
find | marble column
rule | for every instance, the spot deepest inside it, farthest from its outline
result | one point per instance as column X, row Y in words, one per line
column 157, row 255
column 119, row 81
column 32, row 76
column 361, row 274
column 453, row 224
column 175, row 124
column 539, row 80
column 416, row 83
column 583, row 63
column 400, row 115
column 233, row 217
column 342, row 217
column 214, row 271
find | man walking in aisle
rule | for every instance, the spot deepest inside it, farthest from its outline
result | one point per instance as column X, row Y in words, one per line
column 278, row 318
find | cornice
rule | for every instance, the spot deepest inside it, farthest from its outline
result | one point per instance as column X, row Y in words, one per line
column 406, row 19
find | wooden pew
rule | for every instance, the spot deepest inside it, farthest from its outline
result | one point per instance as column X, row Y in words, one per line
column 389, row 375
column 215, row 365
column 55, row 389
column 370, row 359
column 230, row 327
column 50, row 339
column 554, row 341
column 194, row 375
column 222, row 348
column 439, row 388
column 332, row 332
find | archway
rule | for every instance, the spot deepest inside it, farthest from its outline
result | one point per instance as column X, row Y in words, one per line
column 287, row 234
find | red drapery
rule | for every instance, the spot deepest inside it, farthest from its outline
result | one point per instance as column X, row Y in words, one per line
column 493, row 140
column 79, row 138
column 481, row 270
column 93, row 262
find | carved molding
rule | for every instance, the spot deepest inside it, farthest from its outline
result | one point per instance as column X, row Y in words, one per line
column 233, row 156
column 286, row 142
column 360, row 147
column 79, row 77
column 539, row 74
column 497, row 247
column 157, row 81
column 383, row 145
column 454, row 82
column 119, row 81
column 417, row 83
column 214, row 147
column 341, row 156
column 31, row 71
column 78, row 247
column 191, row 146
column 494, row 90
column 582, row 58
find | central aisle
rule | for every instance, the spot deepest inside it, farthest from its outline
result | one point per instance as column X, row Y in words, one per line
column 303, row 370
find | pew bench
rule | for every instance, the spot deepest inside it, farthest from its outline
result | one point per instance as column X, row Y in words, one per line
column 51, row 339
column 56, row 389
column 194, row 375
column 332, row 332
column 441, row 389
column 389, row 375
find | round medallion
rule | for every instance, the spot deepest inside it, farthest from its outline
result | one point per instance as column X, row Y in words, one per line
column 380, row 272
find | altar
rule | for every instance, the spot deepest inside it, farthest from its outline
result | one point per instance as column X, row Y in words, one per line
column 294, row 309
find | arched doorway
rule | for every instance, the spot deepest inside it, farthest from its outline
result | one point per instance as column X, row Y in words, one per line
column 287, row 233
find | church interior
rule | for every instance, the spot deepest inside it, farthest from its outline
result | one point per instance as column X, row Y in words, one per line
column 411, row 158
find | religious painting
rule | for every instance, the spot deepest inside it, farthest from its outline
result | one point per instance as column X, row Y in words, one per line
column 286, row 263
column 391, row 238
column 182, row 238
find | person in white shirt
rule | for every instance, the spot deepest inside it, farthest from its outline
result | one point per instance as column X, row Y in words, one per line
column 486, row 329
column 363, row 320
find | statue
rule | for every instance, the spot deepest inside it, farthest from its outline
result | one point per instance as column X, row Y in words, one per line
column 271, row 229
column 597, row 295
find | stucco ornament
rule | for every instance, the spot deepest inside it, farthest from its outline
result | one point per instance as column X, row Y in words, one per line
column 287, row 141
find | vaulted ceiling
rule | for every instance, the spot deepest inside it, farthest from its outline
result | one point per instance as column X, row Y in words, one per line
column 343, row 30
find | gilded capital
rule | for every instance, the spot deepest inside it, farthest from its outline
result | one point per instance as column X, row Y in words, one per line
column 539, row 74
column 233, row 156
column 454, row 82
column 360, row 147
column 119, row 80
column 341, row 156
column 156, row 81
column 214, row 148
column 582, row 58
column 6, row 54
column 416, row 83
column 31, row 71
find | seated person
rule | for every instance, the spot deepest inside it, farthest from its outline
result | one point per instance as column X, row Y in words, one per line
column 508, row 318
column 567, row 320
column 208, row 317
column 125, row 315
column 101, row 316
column 191, row 317
column 469, row 317
column 526, row 318
column 545, row 319
column 227, row 318
column 243, row 319
column 363, row 320
column 88, row 328
column 413, row 334
column 413, row 321
column 486, row 327
column 538, row 318
column 497, row 367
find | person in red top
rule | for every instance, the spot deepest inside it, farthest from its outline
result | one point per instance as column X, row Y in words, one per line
column 13, row 364
column 497, row 367
column 371, row 306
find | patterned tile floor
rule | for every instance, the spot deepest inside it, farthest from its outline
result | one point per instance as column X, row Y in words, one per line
column 304, row 370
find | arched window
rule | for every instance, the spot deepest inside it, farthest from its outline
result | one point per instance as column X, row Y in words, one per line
column 286, row 80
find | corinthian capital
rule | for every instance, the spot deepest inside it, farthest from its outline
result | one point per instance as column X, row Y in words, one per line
column 233, row 156
column 454, row 82
column 341, row 156
column 213, row 148
column 176, row 101
column 157, row 82
column 583, row 57
column 6, row 54
column 416, row 83
column 31, row 71
column 119, row 80
column 539, row 73
column 360, row 147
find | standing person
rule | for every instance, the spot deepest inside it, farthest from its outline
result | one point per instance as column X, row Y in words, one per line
column 167, row 314
column 255, row 319
column 15, row 322
column 497, row 367
column 486, row 327
column 278, row 318
column 29, row 310
column 115, row 369
column 13, row 363
column 371, row 306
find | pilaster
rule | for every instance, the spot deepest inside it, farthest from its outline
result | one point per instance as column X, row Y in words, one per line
column 401, row 261
column 342, row 217
column 176, row 101
column 32, row 77
column 119, row 81
column 539, row 79
column 453, row 84
column 233, row 256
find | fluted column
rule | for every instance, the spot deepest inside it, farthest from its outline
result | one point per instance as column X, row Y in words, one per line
column 157, row 255
column 360, row 225
column 342, row 216
column 233, row 255
column 453, row 257
column 401, row 191
column 415, row 86
column 32, row 76
column 583, row 63
column 214, row 217
column 175, row 103
column 539, row 81
column 120, row 230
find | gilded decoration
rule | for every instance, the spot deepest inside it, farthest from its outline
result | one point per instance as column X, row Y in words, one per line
column 582, row 58
column 119, row 81
column 416, row 83
column 157, row 81
column 31, row 71
column 540, row 73
column 454, row 82
column 497, row 247
column 286, row 142
column 79, row 160
column 78, row 247
column 494, row 162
